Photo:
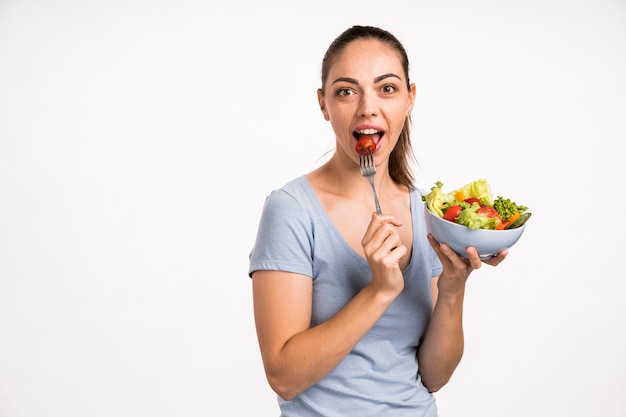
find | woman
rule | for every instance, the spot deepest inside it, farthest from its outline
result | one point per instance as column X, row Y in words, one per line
column 358, row 314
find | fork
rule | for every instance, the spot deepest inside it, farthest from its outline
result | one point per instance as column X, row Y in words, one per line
column 368, row 170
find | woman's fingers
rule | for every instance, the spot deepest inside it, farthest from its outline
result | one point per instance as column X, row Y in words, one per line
column 497, row 258
column 382, row 244
column 382, row 229
column 473, row 258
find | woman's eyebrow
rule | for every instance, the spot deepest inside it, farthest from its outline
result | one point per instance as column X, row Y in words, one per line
column 376, row 80
column 346, row 79
column 382, row 77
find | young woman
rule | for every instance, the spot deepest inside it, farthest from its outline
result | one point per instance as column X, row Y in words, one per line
column 358, row 314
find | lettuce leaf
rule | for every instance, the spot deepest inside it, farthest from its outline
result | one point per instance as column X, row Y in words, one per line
column 470, row 218
column 479, row 189
column 437, row 199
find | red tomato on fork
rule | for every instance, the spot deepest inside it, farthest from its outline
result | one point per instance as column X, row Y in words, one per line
column 365, row 144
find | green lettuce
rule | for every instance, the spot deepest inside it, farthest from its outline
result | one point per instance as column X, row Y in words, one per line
column 470, row 218
column 436, row 200
column 479, row 189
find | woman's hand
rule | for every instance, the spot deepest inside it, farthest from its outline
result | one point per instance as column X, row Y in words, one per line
column 456, row 269
column 384, row 251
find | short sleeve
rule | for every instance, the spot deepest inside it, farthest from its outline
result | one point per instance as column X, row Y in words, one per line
column 284, row 239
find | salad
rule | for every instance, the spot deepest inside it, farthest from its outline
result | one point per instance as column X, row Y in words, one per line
column 473, row 206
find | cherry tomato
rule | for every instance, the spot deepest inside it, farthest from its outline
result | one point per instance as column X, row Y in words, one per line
column 473, row 200
column 365, row 144
column 491, row 212
column 452, row 212
column 488, row 211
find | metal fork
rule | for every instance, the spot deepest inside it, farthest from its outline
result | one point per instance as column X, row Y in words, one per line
column 368, row 170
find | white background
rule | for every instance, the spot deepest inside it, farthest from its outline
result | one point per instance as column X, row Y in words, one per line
column 138, row 140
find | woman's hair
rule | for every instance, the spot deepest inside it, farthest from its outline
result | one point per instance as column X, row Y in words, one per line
column 402, row 154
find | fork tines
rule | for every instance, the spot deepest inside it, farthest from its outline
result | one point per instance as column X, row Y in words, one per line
column 368, row 170
column 366, row 162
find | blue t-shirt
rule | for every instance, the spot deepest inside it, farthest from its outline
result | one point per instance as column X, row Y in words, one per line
column 379, row 376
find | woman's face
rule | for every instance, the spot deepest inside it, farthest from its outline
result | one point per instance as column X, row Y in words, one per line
column 366, row 94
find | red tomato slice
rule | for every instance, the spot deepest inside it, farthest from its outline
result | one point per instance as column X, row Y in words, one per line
column 491, row 212
column 488, row 211
column 473, row 200
column 452, row 212
column 365, row 144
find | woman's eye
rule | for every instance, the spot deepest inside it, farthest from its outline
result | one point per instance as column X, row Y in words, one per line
column 344, row 92
column 388, row 89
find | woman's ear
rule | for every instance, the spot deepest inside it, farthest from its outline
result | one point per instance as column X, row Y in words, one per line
column 322, row 103
column 412, row 94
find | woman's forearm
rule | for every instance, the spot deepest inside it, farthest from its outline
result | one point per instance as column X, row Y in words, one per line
column 442, row 347
column 310, row 355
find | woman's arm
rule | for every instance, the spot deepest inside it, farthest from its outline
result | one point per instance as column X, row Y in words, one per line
column 296, row 356
column 442, row 347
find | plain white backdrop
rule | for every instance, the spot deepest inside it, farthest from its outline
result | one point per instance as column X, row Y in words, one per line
column 138, row 140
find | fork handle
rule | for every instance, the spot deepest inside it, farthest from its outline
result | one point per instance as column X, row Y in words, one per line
column 378, row 210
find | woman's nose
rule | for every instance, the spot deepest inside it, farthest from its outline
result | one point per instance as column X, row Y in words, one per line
column 368, row 105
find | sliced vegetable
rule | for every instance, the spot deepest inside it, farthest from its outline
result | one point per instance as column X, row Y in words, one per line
column 488, row 211
column 522, row 219
column 473, row 206
column 365, row 144
column 473, row 200
column 491, row 213
column 471, row 218
column 511, row 220
column 452, row 212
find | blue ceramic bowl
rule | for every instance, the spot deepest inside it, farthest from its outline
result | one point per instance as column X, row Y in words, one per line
column 487, row 242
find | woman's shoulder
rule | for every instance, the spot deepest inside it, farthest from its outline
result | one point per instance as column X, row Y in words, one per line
column 296, row 188
column 292, row 195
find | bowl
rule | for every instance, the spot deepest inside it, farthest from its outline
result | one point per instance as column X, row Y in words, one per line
column 487, row 242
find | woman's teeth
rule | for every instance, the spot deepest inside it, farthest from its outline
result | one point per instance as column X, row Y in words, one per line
column 368, row 131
